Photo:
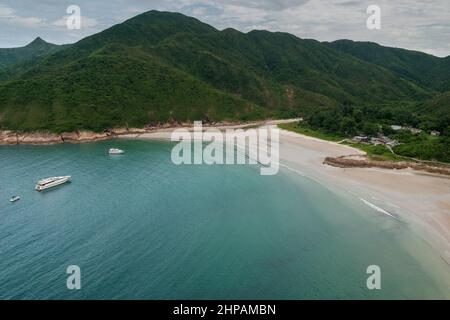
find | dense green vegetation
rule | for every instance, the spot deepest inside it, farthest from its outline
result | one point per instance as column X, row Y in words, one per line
column 339, row 123
column 161, row 66
column 307, row 131
column 373, row 119
column 31, row 52
column 424, row 69
column 423, row 146
column 92, row 93
column 166, row 67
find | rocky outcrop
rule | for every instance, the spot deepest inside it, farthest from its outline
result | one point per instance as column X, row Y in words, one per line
column 69, row 136
column 8, row 138
column 92, row 136
column 38, row 138
column 42, row 138
column 84, row 136
column 343, row 162
column 11, row 138
column 124, row 131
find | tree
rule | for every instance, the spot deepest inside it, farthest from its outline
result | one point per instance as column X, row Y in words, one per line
column 370, row 129
column 348, row 125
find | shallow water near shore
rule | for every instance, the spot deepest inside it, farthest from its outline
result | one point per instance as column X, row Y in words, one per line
column 140, row 227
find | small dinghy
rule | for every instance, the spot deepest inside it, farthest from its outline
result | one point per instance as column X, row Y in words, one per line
column 116, row 151
column 14, row 199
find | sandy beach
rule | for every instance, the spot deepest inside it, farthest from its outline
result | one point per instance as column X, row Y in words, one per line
column 419, row 199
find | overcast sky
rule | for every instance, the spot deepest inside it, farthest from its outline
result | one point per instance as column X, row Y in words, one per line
column 422, row 25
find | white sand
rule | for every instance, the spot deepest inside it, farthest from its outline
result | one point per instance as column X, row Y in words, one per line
column 421, row 200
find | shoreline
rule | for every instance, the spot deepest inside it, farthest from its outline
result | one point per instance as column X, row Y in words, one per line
column 10, row 137
column 418, row 198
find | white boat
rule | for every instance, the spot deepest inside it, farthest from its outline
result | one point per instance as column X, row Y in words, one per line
column 14, row 198
column 116, row 151
column 51, row 182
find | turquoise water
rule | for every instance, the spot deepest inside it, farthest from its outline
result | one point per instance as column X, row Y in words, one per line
column 140, row 227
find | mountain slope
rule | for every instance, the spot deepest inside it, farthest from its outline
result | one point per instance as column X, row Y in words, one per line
column 15, row 61
column 242, row 62
column 161, row 66
column 92, row 93
column 439, row 106
column 439, row 76
column 36, row 48
column 424, row 69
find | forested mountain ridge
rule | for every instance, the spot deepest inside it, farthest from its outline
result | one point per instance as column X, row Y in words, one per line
column 161, row 66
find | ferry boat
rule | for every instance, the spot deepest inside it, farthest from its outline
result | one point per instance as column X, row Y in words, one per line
column 51, row 182
column 116, row 151
column 14, row 199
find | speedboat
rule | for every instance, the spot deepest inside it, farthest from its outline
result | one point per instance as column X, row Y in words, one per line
column 14, row 199
column 116, row 151
column 51, row 182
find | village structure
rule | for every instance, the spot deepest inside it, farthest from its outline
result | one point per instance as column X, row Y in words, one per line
column 383, row 140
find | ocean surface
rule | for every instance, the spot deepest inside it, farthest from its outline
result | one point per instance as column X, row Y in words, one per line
column 140, row 227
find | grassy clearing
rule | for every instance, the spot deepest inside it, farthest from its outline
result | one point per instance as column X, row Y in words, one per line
column 379, row 152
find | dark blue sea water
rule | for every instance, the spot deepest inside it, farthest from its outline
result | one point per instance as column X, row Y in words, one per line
column 140, row 227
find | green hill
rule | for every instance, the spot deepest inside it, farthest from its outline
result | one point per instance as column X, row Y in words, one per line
column 160, row 66
column 93, row 93
column 438, row 106
column 13, row 61
column 424, row 69
column 36, row 48
column 439, row 76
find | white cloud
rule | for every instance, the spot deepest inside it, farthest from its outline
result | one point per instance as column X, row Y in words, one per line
column 422, row 25
column 6, row 12
column 10, row 16
column 60, row 22
column 199, row 11
column 412, row 24
column 86, row 22
column 27, row 21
